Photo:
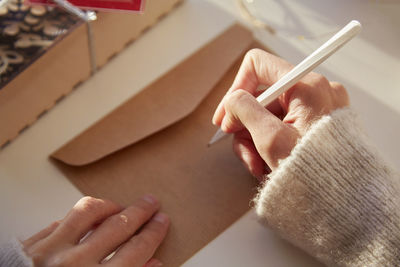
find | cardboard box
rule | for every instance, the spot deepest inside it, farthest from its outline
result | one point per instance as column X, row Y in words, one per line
column 66, row 64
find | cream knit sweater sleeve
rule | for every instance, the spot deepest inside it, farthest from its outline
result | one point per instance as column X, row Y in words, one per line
column 335, row 197
column 12, row 255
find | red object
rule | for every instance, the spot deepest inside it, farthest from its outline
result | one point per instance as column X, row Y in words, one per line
column 131, row 5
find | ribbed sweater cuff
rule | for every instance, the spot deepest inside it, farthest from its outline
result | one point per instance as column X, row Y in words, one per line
column 13, row 255
column 335, row 197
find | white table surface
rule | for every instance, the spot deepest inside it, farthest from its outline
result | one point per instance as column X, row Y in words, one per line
column 33, row 192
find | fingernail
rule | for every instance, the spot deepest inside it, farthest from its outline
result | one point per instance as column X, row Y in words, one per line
column 214, row 119
column 223, row 124
column 149, row 198
column 161, row 217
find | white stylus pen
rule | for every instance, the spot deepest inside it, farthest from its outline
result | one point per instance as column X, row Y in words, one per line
column 304, row 67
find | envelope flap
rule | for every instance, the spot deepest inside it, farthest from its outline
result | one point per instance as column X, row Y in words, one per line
column 167, row 100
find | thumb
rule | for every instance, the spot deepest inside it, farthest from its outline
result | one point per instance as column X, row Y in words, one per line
column 244, row 111
column 272, row 138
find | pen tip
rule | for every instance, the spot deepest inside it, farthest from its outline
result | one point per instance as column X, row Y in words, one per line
column 210, row 143
column 217, row 136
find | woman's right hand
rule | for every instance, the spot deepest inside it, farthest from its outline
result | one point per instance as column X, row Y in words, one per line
column 264, row 136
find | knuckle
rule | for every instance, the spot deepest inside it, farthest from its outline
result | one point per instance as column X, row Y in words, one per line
column 122, row 222
column 140, row 213
column 141, row 208
column 54, row 224
column 235, row 97
column 145, row 242
column 254, row 52
column 85, row 209
column 90, row 204
column 131, row 219
column 317, row 80
column 320, row 80
column 61, row 260
column 337, row 86
column 253, row 57
column 342, row 95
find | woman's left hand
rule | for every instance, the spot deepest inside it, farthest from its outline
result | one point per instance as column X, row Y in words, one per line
column 95, row 228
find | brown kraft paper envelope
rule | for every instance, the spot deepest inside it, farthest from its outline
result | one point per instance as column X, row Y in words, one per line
column 156, row 143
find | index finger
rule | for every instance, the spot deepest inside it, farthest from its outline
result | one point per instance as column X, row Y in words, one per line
column 258, row 68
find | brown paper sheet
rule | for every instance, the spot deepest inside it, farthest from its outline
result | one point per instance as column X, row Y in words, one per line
column 156, row 143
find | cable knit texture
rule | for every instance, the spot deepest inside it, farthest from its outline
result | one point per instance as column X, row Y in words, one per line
column 13, row 255
column 335, row 197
